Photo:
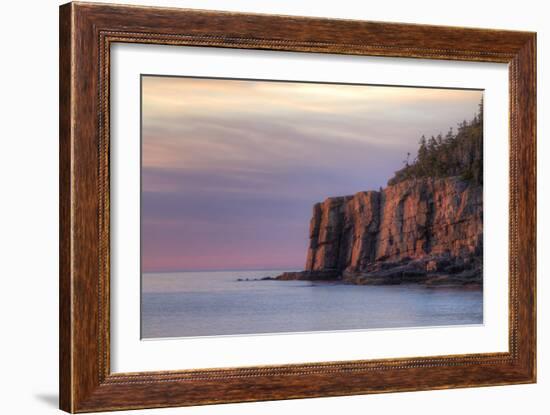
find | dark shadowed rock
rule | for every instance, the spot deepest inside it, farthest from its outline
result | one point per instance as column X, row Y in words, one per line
column 310, row 276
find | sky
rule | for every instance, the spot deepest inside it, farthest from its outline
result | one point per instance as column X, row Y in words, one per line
column 231, row 169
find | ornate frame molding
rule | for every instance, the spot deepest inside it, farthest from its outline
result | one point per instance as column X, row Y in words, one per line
column 86, row 33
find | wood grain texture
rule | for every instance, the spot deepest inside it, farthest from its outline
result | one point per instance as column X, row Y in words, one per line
column 65, row 138
column 86, row 33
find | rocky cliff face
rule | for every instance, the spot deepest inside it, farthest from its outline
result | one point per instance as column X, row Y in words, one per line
column 420, row 230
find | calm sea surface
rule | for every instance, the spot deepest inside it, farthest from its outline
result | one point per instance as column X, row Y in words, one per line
column 215, row 303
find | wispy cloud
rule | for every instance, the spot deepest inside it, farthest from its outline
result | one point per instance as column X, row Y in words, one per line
column 220, row 155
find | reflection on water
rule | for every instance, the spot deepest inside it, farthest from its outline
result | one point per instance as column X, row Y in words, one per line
column 215, row 303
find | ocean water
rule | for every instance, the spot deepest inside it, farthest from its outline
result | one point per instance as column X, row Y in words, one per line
column 183, row 304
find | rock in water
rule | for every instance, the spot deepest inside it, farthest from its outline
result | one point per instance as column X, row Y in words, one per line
column 420, row 230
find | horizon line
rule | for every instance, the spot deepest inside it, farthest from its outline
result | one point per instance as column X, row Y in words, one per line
column 222, row 270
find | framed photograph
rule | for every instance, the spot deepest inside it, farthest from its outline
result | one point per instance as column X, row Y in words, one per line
column 259, row 207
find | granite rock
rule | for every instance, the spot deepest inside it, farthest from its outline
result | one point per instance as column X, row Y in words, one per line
column 418, row 230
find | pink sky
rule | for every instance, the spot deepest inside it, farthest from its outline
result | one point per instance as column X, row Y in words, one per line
column 231, row 169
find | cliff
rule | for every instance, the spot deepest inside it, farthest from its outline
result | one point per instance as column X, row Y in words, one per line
column 426, row 230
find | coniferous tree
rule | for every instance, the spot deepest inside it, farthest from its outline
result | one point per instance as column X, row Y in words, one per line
column 459, row 154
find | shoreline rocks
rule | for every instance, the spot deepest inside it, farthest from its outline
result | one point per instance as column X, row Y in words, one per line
column 427, row 231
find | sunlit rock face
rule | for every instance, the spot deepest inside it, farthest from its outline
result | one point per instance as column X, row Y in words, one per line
column 420, row 230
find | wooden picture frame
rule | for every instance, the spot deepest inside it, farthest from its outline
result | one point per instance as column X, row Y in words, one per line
column 86, row 33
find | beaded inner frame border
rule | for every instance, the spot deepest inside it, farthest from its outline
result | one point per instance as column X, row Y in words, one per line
column 107, row 38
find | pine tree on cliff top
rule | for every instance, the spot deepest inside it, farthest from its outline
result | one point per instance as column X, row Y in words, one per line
column 459, row 154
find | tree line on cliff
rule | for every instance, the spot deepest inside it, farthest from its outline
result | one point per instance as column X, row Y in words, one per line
column 455, row 154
